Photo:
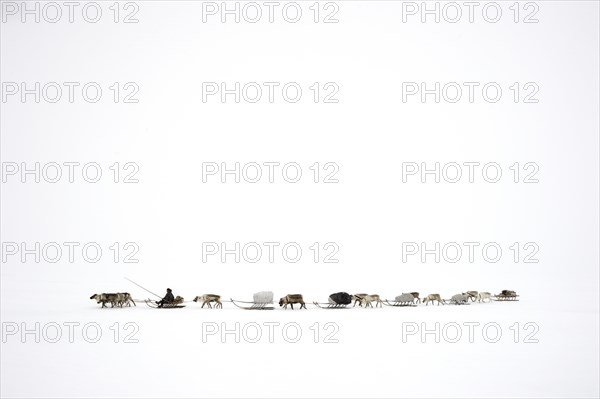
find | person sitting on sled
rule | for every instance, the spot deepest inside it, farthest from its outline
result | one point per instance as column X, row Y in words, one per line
column 169, row 298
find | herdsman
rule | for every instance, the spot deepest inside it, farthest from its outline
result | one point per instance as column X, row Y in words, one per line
column 169, row 298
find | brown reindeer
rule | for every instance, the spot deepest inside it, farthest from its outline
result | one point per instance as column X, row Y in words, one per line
column 482, row 296
column 368, row 299
column 113, row 299
column 124, row 298
column 433, row 297
column 206, row 299
column 416, row 296
column 357, row 298
column 472, row 295
column 291, row 300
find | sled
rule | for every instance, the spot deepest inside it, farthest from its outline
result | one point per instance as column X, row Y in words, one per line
column 253, row 305
column 506, row 298
column 399, row 304
column 451, row 302
column 153, row 304
column 330, row 305
column 507, row 295
column 337, row 300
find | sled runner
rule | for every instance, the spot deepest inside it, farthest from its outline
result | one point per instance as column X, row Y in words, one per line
column 254, row 306
column 329, row 305
column 458, row 299
column 451, row 302
column 172, row 305
column 262, row 301
column 399, row 304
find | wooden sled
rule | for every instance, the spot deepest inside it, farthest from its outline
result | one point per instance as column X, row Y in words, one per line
column 400, row 304
column 254, row 305
column 506, row 298
column 330, row 305
column 153, row 304
column 450, row 302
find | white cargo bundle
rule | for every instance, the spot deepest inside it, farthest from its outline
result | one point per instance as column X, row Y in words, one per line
column 263, row 297
column 459, row 299
column 405, row 298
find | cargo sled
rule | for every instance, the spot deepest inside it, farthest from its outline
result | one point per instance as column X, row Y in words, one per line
column 339, row 300
column 261, row 301
column 507, row 295
column 403, row 300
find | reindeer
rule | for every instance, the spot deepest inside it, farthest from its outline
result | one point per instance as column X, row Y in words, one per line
column 124, row 298
column 357, row 298
column 482, row 296
column 206, row 299
column 433, row 297
column 100, row 298
column 291, row 300
column 472, row 295
column 113, row 299
column 368, row 299
column 416, row 296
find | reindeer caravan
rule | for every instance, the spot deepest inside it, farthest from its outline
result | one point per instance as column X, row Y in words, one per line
column 264, row 300
column 338, row 300
column 261, row 301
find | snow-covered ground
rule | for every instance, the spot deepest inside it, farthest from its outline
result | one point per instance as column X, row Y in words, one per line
column 546, row 347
